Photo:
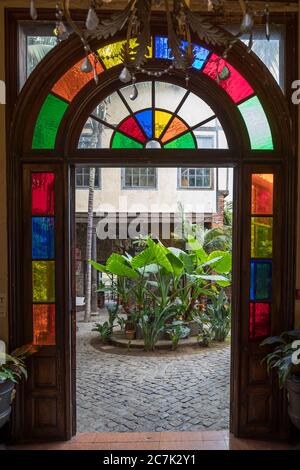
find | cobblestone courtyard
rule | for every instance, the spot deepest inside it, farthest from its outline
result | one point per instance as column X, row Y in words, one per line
column 145, row 393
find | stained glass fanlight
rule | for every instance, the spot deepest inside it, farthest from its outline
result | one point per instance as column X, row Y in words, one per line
column 163, row 116
column 165, row 119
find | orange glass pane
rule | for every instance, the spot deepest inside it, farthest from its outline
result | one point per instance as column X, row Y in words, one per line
column 262, row 194
column 74, row 80
column 43, row 324
column 176, row 128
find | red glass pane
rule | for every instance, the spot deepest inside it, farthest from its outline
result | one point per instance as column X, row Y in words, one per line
column 260, row 320
column 43, row 324
column 236, row 86
column 70, row 84
column 42, row 193
column 262, row 194
column 132, row 129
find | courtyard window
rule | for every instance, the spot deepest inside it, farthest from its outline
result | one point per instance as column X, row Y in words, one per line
column 83, row 176
column 195, row 178
column 139, row 178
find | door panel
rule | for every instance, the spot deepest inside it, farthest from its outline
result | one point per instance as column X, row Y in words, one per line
column 46, row 406
column 261, row 300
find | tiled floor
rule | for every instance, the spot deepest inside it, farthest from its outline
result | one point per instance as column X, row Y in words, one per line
column 209, row 440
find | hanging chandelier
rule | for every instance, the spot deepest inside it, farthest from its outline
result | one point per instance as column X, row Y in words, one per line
column 182, row 22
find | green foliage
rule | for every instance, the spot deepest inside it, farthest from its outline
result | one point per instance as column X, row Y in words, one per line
column 105, row 330
column 219, row 315
column 281, row 358
column 14, row 367
column 177, row 330
column 161, row 280
column 206, row 335
column 153, row 323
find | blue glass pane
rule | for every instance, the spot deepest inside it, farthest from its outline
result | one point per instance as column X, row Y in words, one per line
column 145, row 120
column 261, row 280
column 162, row 51
column 42, row 237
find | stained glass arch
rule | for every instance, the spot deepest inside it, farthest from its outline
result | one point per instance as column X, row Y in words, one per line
column 164, row 115
column 234, row 85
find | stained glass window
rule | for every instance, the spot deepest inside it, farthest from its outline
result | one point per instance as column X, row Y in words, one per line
column 261, row 265
column 262, row 194
column 43, row 257
column 43, row 324
column 48, row 122
column 163, row 116
column 42, row 237
column 42, row 193
column 166, row 99
column 260, row 320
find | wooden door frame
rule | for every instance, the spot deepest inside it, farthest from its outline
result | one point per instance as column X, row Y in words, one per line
column 15, row 159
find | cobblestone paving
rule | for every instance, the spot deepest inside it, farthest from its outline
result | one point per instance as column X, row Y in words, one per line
column 140, row 393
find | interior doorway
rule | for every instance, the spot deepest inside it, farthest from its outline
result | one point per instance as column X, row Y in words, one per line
column 126, row 380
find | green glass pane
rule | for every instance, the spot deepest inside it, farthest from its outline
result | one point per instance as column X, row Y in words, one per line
column 262, row 237
column 121, row 141
column 186, row 141
column 43, row 281
column 257, row 124
column 48, row 122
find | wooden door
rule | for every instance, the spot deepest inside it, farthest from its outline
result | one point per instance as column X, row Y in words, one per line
column 47, row 393
column 258, row 408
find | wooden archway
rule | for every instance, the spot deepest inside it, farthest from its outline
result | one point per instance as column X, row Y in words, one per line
column 46, row 405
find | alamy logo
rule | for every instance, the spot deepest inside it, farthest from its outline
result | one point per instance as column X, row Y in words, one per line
column 296, row 354
column 2, row 92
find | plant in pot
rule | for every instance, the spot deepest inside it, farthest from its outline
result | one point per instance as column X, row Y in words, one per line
column 12, row 371
column 176, row 331
column 219, row 314
column 285, row 359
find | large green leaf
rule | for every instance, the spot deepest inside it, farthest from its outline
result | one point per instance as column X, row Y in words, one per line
column 97, row 266
column 117, row 265
column 186, row 259
column 223, row 261
column 176, row 263
column 160, row 256
column 195, row 246
column 143, row 259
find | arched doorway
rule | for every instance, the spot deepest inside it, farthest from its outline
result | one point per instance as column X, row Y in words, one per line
column 48, row 122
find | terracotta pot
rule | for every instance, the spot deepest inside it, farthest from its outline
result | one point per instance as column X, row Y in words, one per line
column 130, row 334
column 293, row 389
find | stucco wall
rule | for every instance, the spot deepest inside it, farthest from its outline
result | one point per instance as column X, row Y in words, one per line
column 3, row 215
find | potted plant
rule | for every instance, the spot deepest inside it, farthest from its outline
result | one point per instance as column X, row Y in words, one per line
column 285, row 359
column 12, row 371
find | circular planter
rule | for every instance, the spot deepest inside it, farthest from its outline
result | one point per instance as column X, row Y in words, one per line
column 6, row 392
column 293, row 389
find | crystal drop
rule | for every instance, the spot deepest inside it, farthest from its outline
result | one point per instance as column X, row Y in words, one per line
column 96, row 78
column 33, row 12
column 134, row 93
column 125, row 75
column 86, row 66
column 247, row 23
column 62, row 30
column 92, row 20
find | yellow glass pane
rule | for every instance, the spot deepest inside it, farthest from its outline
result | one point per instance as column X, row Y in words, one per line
column 111, row 54
column 262, row 237
column 162, row 119
column 43, row 281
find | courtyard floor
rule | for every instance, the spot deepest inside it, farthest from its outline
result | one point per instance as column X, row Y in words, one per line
column 124, row 392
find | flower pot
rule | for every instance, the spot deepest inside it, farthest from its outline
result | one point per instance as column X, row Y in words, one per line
column 293, row 389
column 6, row 395
column 130, row 334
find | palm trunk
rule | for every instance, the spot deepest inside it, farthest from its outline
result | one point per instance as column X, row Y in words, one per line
column 89, row 241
